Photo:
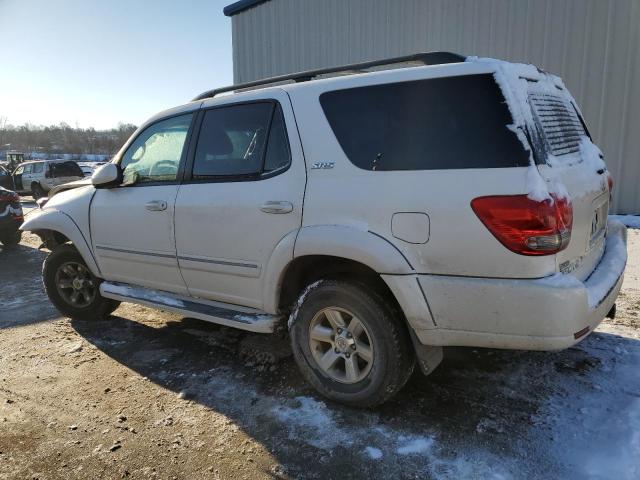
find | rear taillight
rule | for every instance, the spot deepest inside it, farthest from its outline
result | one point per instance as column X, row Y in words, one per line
column 610, row 182
column 526, row 226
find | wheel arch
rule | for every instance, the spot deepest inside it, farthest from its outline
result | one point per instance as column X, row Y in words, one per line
column 347, row 248
column 55, row 228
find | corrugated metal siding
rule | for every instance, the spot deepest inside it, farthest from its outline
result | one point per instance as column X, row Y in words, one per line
column 593, row 44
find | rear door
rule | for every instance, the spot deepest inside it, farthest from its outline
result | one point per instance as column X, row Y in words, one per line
column 243, row 194
column 573, row 162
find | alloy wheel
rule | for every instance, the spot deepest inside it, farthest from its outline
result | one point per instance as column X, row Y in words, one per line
column 75, row 284
column 341, row 345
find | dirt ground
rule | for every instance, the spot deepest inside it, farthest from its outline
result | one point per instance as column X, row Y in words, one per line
column 148, row 394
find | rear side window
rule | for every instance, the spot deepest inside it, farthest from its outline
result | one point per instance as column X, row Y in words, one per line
column 240, row 140
column 66, row 169
column 38, row 167
column 443, row 123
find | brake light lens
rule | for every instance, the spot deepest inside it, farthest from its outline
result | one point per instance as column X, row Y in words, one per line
column 525, row 226
column 610, row 182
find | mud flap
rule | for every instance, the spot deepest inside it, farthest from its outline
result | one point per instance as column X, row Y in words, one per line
column 429, row 357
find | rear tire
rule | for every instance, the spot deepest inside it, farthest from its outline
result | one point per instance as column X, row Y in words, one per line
column 72, row 288
column 371, row 361
column 12, row 239
column 37, row 191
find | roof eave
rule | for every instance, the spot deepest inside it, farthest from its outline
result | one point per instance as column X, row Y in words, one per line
column 241, row 6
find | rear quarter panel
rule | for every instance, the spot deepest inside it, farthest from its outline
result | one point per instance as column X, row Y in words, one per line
column 458, row 244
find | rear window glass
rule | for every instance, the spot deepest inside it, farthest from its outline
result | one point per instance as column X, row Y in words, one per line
column 66, row 169
column 443, row 123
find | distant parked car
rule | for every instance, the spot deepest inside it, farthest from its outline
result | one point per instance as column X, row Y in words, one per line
column 88, row 167
column 5, row 178
column 38, row 177
column 11, row 217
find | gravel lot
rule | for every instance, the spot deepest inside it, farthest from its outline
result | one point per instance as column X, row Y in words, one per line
column 148, row 394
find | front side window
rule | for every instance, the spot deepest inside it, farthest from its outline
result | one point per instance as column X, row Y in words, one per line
column 241, row 140
column 27, row 168
column 154, row 156
column 19, row 171
column 441, row 123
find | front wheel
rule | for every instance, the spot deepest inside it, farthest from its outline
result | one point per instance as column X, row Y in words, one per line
column 37, row 191
column 72, row 288
column 350, row 344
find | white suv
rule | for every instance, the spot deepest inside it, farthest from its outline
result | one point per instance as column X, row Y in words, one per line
column 379, row 215
column 36, row 178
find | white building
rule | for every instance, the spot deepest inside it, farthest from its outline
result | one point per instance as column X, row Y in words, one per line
column 593, row 44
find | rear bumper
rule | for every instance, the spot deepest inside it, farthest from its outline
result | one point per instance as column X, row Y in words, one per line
column 551, row 313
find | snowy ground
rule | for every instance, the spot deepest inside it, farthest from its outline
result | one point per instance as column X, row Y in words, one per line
column 631, row 221
column 148, row 394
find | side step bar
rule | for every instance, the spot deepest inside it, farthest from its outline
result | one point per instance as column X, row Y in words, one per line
column 217, row 312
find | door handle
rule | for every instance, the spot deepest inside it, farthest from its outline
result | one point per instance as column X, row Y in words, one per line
column 275, row 206
column 156, row 205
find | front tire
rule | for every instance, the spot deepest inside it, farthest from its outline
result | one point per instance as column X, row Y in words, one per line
column 351, row 344
column 37, row 191
column 72, row 288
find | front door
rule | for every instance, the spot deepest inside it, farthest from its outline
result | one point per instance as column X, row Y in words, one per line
column 132, row 225
column 243, row 194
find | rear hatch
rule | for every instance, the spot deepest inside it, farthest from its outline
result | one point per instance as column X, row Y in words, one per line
column 573, row 166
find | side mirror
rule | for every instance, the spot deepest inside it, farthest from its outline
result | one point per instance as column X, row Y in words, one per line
column 106, row 176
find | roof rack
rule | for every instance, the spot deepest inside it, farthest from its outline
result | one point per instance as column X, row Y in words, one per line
column 426, row 58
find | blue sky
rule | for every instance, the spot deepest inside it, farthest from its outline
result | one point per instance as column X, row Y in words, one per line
column 100, row 62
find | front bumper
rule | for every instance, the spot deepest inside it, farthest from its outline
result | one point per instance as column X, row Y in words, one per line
column 551, row 313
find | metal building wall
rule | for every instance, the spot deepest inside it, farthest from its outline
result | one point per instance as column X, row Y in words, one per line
column 593, row 44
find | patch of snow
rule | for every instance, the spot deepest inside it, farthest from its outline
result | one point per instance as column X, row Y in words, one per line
column 76, row 347
column 154, row 296
column 414, row 446
column 294, row 312
column 373, row 453
column 312, row 421
column 252, row 318
column 536, row 186
column 631, row 221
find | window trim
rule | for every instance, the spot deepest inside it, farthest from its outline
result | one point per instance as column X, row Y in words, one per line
column 245, row 177
column 183, row 155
